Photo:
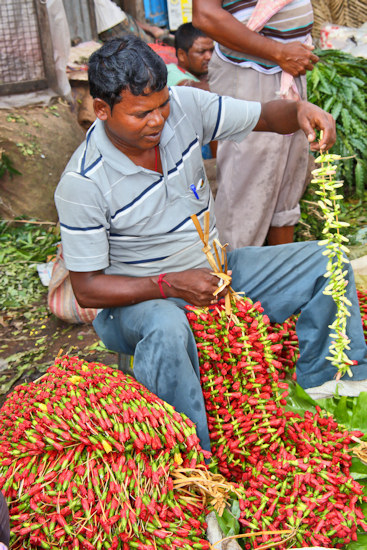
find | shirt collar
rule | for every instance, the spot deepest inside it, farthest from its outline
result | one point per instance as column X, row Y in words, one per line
column 114, row 157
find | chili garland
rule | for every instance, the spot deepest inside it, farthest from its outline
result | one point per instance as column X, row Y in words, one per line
column 335, row 249
column 293, row 471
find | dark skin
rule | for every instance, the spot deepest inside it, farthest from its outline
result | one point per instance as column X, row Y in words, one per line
column 294, row 58
column 196, row 61
column 134, row 126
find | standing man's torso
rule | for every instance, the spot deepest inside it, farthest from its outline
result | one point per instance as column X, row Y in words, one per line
column 292, row 22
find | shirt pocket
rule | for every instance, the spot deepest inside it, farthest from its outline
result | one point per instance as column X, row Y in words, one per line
column 198, row 185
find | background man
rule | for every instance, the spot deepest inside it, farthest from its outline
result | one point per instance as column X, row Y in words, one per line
column 193, row 51
column 125, row 203
column 260, row 180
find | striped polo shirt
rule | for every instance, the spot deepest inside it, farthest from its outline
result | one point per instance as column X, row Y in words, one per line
column 293, row 22
column 124, row 219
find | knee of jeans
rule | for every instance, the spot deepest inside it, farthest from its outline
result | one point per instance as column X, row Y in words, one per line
column 171, row 326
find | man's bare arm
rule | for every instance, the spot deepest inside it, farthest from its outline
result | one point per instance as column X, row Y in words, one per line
column 285, row 117
column 209, row 16
column 98, row 290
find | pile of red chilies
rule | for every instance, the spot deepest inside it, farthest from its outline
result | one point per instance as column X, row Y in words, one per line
column 86, row 455
column 293, row 470
column 285, row 336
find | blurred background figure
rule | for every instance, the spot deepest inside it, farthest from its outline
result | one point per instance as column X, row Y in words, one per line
column 193, row 50
column 113, row 21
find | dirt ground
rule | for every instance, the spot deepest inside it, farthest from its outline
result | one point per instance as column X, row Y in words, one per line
column 39, row 140
column 29, row 345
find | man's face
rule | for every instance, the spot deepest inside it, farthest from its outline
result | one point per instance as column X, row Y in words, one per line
column 196, row 60
column 136, row 123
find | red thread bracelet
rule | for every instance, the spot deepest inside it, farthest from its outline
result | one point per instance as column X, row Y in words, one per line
column 161, row 280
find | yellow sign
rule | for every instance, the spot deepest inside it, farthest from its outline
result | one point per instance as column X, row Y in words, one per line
column 179, row 11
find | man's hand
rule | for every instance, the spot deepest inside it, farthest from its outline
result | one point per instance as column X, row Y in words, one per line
column 208, row 15
column 201, row 84
column 311, row 118
column 195, row 286
column 296, row 58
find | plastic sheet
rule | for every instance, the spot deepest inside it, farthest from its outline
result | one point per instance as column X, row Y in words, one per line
column 61, row 44
column 347, row 39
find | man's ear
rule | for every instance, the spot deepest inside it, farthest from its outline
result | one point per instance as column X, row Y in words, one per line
column 182, row 57
column 101, row 108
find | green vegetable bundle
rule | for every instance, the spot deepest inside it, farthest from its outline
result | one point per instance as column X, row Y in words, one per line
column 338, row 84
column 87, row 458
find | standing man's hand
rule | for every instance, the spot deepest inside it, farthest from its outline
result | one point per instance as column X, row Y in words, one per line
column 312, row 118
column 296, row 58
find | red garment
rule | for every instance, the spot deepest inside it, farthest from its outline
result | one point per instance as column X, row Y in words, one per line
column 167, row 53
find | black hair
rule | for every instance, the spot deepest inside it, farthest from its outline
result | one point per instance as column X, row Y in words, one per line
column 126, row 63
column 186, row 35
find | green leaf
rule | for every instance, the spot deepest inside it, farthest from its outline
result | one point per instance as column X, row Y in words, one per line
column 336, row 110
column 361, row 178
column 358, row 469
column 298, row 399
column 359, row 419
column 342, row 413
column 360, row 544
column 235, row 509
column 228, row 523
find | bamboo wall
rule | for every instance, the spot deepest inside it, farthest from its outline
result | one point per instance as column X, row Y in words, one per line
column 350, row 13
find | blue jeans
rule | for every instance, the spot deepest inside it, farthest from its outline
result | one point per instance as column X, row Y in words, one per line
column 286, row 279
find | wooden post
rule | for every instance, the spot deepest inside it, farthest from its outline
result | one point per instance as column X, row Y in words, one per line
column 92, row 19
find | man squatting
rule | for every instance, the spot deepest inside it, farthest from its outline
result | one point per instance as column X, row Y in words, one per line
column 125, row 202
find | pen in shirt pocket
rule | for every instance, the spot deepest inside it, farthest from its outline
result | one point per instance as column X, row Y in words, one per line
column 196, row 188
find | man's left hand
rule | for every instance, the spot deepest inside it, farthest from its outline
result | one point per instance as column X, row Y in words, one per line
column 312, row 118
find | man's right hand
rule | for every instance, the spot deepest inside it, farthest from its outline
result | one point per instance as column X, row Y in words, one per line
column 195, row 286
column 296, row 58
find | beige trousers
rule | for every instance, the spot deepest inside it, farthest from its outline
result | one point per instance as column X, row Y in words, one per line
column 260, row 180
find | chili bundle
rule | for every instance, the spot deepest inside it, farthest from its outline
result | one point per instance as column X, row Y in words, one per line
column 293, row 471
column 86, row 461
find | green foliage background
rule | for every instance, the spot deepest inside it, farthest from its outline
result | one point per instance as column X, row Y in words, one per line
column 338, row 84
column 22, row 247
